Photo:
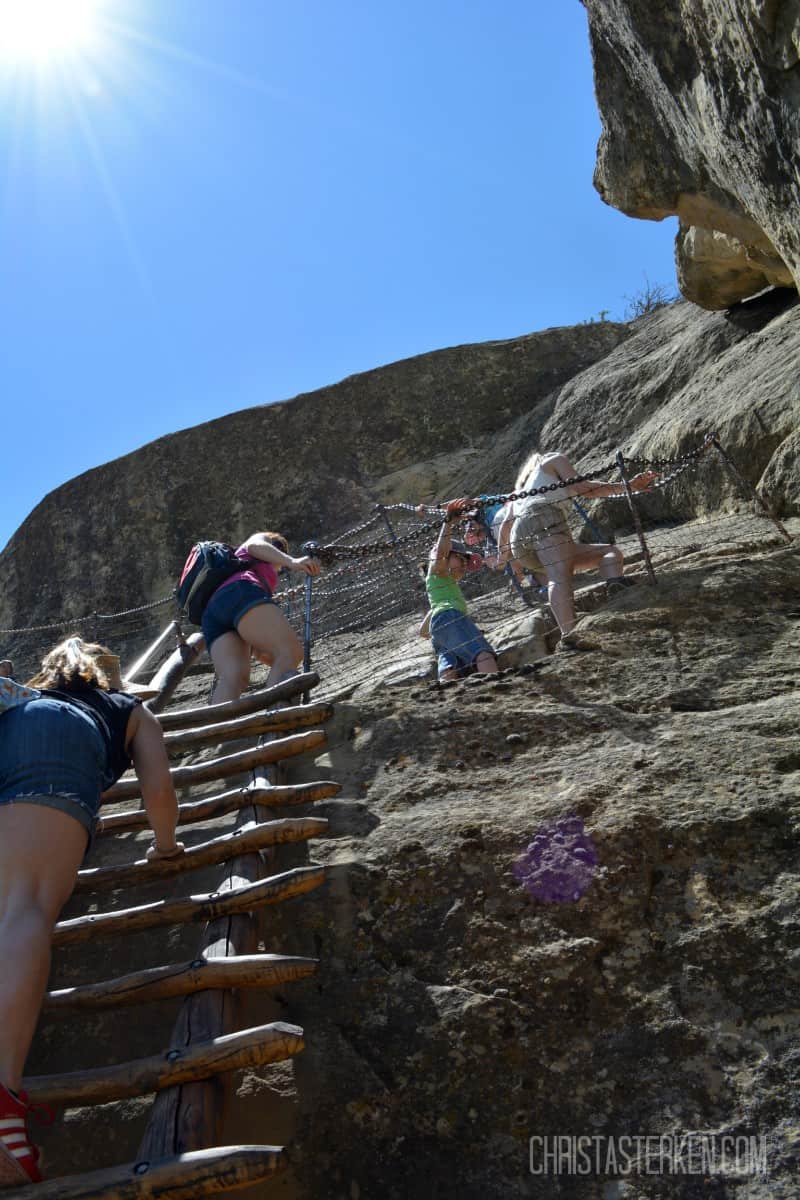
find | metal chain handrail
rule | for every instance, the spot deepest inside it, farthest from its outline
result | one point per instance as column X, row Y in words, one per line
column 330, row 552
column 93, row 616
column 374, row 520
column 690, row 455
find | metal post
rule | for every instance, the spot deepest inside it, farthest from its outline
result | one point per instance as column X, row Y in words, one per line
column 142, row 662
column 310, row 549
column 393, row 538
column 392, row 534
column 171, row 672
column 583, row 513
column 747, row 485
column 387, row 523
column 307, row 626
column 307, row 633
column 637, row 524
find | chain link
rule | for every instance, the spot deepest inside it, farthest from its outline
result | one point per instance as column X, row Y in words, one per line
column 360, row 621
column 413, row 508
column 94, row 616
column 690, row 456
column 374, row 520
column 666, row 479
column 329, row 553
column 546, row 489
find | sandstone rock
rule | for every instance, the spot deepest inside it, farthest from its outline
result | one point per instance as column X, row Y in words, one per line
column 522, row 639
column 684, row 372
column 716, row 271
column 781, row 473
column 715, row 89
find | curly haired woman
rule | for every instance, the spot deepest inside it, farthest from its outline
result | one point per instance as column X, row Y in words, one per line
column 61, row 747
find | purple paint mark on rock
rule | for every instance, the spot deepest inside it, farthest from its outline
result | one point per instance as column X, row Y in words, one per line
column 559, row 864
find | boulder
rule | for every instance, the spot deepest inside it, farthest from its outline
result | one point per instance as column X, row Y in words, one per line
column 715, row 88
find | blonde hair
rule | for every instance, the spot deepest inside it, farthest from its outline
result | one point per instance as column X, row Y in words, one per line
column 73, row 663
column 526, row 470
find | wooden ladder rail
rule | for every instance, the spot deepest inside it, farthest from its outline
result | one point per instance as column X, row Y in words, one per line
column 190, row 1116
column 188, row 1177
column 227, row 802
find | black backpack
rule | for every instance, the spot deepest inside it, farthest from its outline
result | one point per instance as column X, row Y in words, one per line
column 209, row 564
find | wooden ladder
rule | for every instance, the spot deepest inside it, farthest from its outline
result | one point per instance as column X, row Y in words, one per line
column 179, row 1156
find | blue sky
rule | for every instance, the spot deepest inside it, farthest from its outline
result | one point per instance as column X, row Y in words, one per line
column 221, row 203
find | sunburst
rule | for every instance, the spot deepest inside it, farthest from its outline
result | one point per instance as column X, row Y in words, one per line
column 40, row 31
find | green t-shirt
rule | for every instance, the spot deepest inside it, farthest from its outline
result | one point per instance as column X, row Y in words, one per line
column 443, row 594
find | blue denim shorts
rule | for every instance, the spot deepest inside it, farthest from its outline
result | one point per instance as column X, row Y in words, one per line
column 457, row 640
column 226, row 607
column 52, row 754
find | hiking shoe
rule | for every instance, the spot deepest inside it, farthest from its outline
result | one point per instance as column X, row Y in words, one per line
column 19, row 1158
column 618, row 584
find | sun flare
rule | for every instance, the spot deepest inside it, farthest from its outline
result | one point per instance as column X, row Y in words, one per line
column 39, row 30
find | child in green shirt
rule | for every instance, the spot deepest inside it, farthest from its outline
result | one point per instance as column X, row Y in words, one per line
column 456, row 638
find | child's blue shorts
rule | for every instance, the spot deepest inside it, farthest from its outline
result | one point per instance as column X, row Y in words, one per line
column 456, row 640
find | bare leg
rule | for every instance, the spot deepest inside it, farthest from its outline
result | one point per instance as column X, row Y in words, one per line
column 560, row 593
column 561, row 557
column 40, row 852
column 268, row 632
column 486, row 663
column 556, row 555
column 231, row 658
column 608, row 558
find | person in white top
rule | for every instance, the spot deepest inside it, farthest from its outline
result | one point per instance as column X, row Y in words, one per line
column 536, row 533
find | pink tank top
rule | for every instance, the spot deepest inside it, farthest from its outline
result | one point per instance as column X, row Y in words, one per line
column 262, row 574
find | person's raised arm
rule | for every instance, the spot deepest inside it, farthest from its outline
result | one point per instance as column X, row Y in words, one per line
column 148, row 752
column 560, row 466
column 262, row 548
column 596, row 487
column 441, row 551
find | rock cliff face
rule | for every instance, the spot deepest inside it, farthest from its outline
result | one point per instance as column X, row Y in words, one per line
column 700, row 104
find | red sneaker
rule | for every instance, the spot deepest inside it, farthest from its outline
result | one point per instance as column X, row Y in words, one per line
column 19, row 1158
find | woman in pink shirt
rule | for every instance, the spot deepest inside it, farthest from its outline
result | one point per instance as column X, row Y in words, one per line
column 241, row 617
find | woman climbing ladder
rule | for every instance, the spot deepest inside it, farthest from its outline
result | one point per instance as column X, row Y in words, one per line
column 60, row 749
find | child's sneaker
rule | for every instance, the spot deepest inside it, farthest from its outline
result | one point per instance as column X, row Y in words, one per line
column 19, row 1158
